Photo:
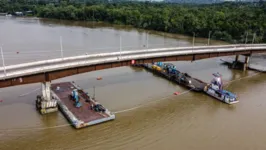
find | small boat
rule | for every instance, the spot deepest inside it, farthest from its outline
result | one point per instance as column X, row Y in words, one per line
column 215, row 90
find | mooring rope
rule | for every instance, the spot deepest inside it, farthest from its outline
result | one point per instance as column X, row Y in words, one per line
column 130, row 109
column 29, row 92
column 229, row 82
column 117, row 112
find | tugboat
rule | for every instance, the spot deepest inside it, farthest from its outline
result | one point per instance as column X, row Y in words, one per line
column 215, row 90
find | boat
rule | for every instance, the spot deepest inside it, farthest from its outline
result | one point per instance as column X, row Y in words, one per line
column 214, row 89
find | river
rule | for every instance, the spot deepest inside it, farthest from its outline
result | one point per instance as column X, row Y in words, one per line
column 148, row 115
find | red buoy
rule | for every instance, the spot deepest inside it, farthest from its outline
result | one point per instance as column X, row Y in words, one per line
column 1, row 101
column 132, row 62
column 176, row 93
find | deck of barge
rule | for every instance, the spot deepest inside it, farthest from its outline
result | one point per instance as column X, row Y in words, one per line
column 196, row 84
column 79, row 117
column 190, row 82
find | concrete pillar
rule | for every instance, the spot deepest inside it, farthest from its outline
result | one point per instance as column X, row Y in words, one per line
column 46, row 90
column 46, row 104
column 246, row 63
column 237, row 58
column 247, row 59
column 43, row 91
column 234, row 64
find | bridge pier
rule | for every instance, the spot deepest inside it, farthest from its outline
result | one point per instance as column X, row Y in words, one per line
column 235, row 63
column 45, row 103
column 245, row 66
column 46, row 90
column 241, row 65
column 237, row 58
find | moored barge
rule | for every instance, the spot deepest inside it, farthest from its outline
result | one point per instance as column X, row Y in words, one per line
column 213, row 89
column 169, row 72
column 81, row 110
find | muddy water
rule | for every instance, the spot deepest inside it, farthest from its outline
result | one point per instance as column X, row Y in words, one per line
column 149, row 116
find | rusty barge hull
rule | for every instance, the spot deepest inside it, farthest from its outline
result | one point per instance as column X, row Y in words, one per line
column 78, row 117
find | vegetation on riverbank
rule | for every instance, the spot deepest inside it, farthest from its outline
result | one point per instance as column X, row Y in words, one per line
column 232, row 22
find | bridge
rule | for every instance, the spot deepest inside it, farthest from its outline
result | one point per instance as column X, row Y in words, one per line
column 48, row 70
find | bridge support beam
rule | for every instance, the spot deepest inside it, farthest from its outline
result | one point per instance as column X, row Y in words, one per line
column 237, row 58
column 236, row 62
column 245, row 66
column 46, row 90
column 45, row 103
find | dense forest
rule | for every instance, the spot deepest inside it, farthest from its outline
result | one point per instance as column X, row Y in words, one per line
column 232, row 22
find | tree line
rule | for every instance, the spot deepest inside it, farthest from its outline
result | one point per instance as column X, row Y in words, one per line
column 232, row 22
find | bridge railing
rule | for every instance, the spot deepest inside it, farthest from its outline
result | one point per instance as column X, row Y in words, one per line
column 122, row 58
column 60, row 60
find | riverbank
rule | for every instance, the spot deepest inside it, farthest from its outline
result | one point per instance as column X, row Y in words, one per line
column 222, row 22
column 148, row 115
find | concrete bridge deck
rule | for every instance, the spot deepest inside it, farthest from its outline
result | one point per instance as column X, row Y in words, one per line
column 48, row 70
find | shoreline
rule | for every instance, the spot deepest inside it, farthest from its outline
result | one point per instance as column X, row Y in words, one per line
column 102, row 24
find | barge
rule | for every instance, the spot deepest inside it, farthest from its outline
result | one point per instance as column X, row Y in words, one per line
column 81, row 110
column 213, row 89
column 169, row 72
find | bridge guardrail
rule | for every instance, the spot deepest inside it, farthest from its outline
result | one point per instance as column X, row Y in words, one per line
column 114, row 59
column 46, row 62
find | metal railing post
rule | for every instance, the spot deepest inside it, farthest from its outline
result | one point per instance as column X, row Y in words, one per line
column 209, row 38
column 193, row 38
column 147, row 40
column 3, row 60
column 120, row 45
column 61, row 46
column 246, row 38
column 254, row 35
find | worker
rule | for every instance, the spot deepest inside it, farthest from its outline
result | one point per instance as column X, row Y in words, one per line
column 58, row 88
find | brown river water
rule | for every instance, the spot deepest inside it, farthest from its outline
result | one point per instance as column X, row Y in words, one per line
column 148, row 115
